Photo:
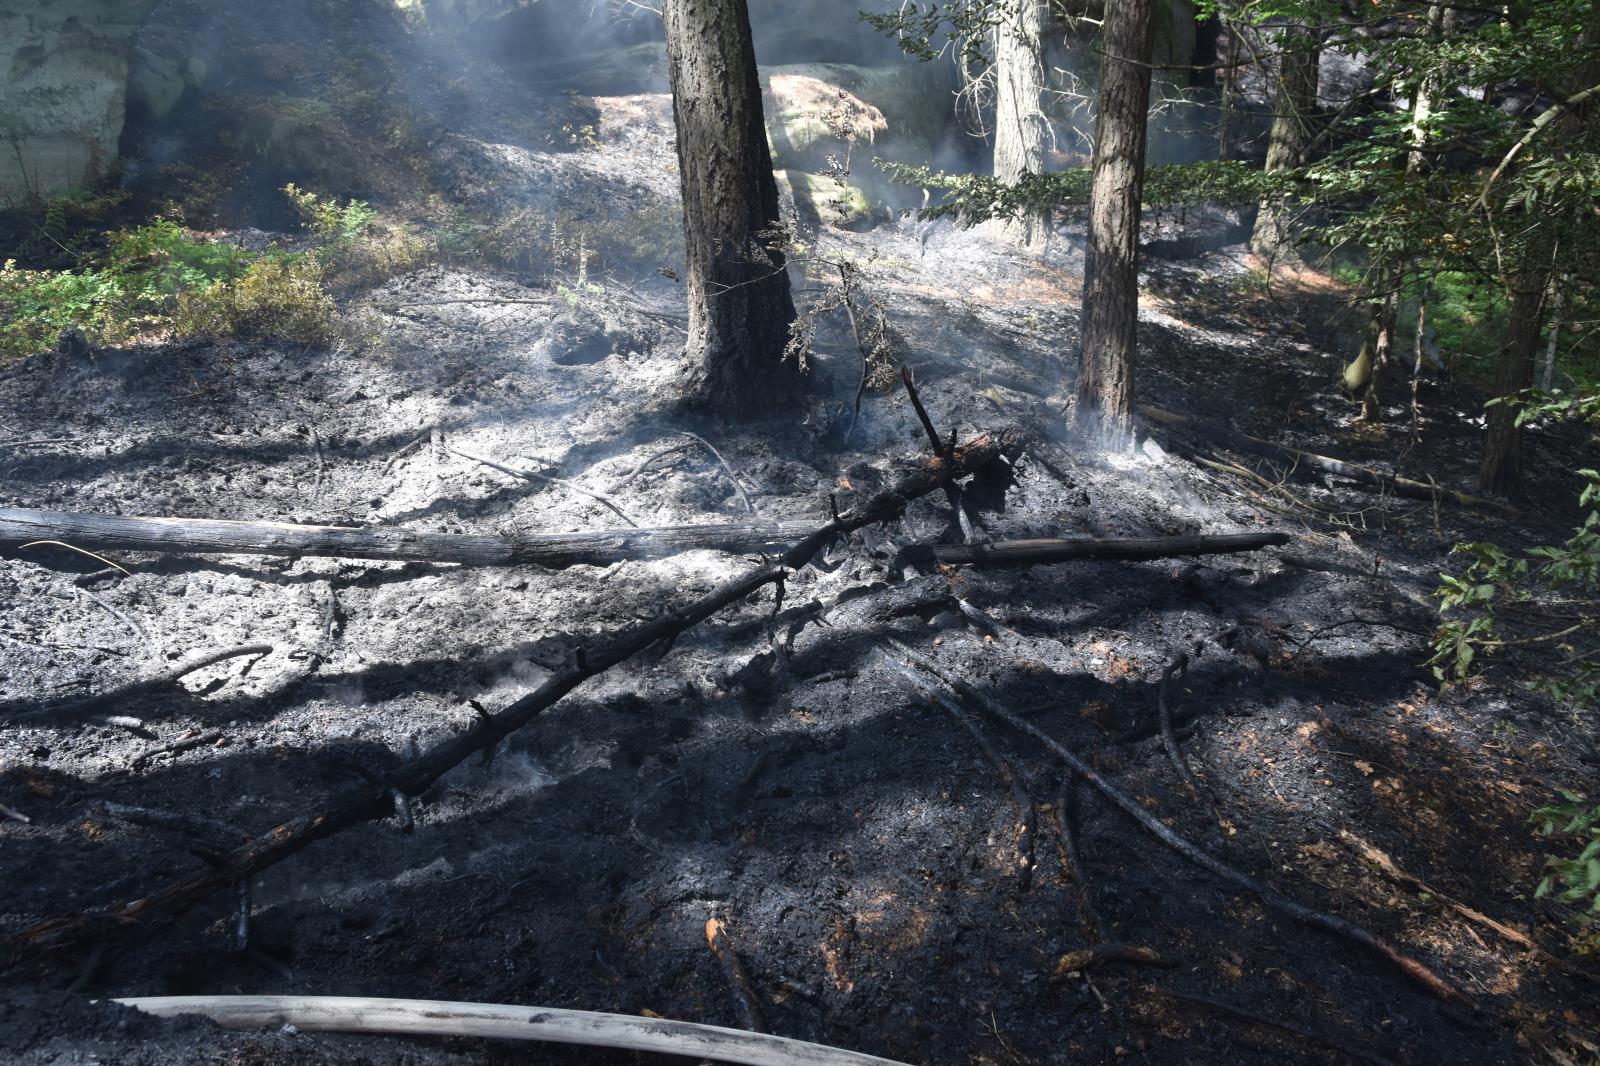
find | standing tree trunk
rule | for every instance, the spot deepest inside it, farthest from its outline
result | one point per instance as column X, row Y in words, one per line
column 1292, row 107
column 740, row 308
column 1110, row 317
column 1500, row 470
column 1020, row 125
column 1365, row 370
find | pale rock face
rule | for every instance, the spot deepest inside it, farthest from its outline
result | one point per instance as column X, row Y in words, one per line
column 63, row 91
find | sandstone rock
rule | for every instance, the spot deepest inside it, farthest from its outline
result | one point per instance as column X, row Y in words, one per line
column 63, row 91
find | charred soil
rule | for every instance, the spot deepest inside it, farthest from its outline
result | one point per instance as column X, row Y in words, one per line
column 773, row 771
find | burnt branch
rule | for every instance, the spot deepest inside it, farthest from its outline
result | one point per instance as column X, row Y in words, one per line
column 1340, row 927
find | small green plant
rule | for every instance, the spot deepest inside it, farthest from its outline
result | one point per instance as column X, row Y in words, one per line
column 161, row 279
column 1574, row 881
column 357, row 247
column 328, row 219
column 1547, row 600
column 36, row 306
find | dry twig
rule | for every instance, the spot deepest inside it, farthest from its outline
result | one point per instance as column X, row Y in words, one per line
column 1331, row 923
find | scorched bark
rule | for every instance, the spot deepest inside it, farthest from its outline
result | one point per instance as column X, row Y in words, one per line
column 740, row 308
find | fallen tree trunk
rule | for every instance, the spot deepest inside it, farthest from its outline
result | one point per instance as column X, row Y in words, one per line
column 419, row 773
column 205, row 536
column 202, row 536
column 493, row 1021
column 1391, row 483
column 1128, row 549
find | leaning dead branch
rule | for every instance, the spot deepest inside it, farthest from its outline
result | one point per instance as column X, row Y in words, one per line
column 1390, row 483
column 1331, row 923
column 419, row 773
column 492, row 1021
column 66, row 712
column 942, row 449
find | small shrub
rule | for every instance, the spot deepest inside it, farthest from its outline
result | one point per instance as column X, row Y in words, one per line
column 37, row 305
column 279, row 296
column 1574, row 881
column 327, row 218
column 357, row 246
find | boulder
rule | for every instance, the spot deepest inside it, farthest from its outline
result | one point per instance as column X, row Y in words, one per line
column 820, row 198
column 157, row 79
column 63, row 92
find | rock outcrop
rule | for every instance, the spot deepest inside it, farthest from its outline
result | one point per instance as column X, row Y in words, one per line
column 63, row 91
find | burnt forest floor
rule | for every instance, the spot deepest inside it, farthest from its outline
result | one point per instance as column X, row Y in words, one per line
column 789, row 781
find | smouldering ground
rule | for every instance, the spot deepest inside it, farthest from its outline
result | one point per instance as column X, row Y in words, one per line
column 854, row 839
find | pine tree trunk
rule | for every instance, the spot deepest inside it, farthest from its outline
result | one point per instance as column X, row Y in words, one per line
column 1293, row 104
column 1500, row 470
column 740, row 307
column 1020, row 126
column 1110, row 318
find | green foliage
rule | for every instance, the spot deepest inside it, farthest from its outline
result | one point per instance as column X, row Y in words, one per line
column 160, row 279
column 155, row 263
column 327, row 218
column 925, row 29
column 355, row 245
column 279, row 296
column 1549, row 597
column 36, row 306
column 1574, row 881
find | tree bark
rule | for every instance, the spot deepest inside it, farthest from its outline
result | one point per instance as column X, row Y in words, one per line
column 1290, row 140
column 740, row 306
column 1104, row 413
column 1384, row 315
column 1020, row 126
column 1500, row 470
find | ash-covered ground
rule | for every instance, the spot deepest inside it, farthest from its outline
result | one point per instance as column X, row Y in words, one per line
column 776, row 773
